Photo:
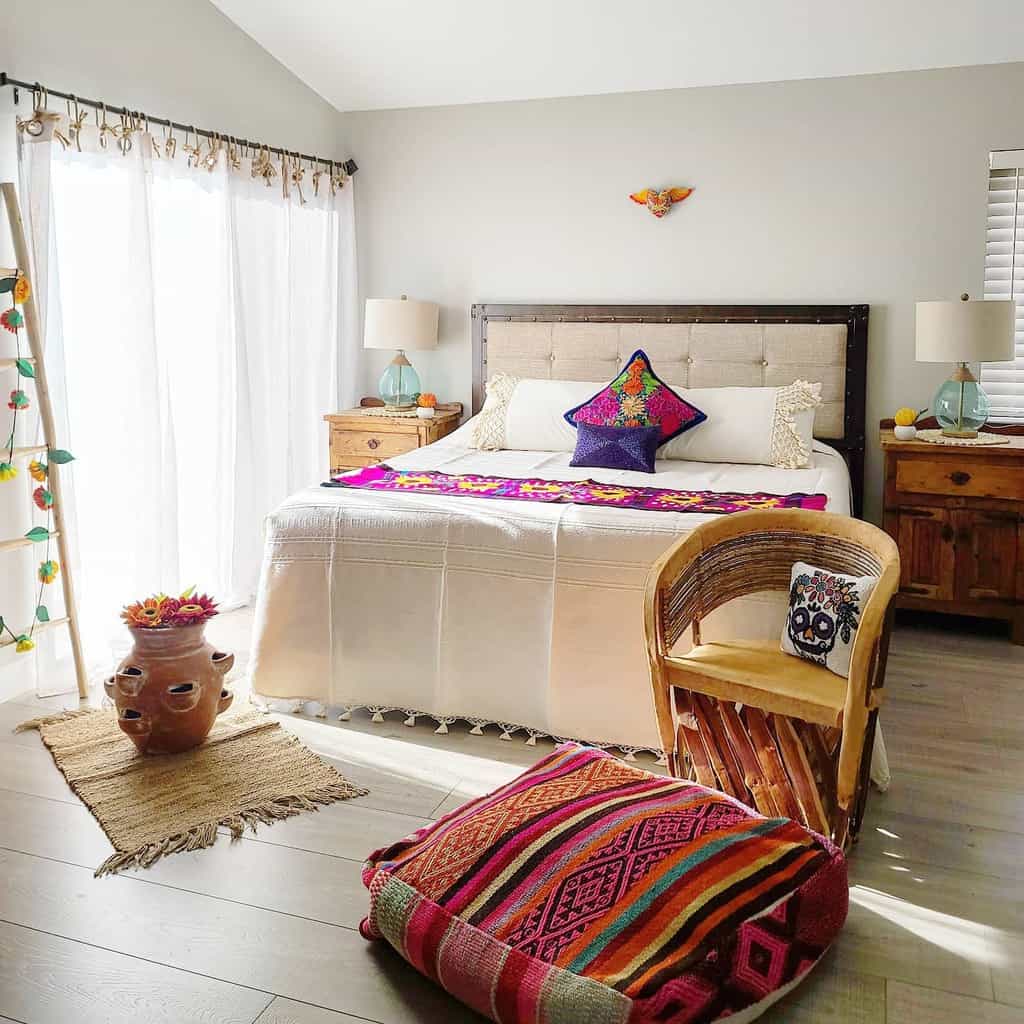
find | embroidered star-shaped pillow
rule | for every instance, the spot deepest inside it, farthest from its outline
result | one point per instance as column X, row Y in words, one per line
column 637, row 397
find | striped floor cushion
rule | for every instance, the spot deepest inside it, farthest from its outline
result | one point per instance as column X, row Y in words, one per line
column 590, row 890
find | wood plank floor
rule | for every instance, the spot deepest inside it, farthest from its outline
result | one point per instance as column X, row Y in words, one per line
column 264, row 929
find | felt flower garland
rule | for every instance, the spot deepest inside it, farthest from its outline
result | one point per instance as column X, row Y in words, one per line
column 13, row 320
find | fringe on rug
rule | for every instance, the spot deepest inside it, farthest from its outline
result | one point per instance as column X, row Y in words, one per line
column 35, row 723
column 202, row 836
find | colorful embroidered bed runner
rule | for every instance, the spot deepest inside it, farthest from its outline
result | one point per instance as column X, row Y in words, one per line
column 578, row 492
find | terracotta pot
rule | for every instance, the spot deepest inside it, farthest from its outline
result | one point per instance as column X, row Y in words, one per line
column 170, row 688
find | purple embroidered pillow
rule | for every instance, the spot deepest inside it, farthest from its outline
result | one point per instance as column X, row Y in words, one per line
column 637, row 397
column 630, row 448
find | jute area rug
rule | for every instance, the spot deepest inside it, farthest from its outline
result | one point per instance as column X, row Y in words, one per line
column 249, row 771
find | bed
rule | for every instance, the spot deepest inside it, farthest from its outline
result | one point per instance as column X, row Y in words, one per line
column 527, row 616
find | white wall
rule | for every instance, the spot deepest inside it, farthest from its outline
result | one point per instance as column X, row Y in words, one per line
column 176, row 58
column 867, row 189
column 180, row 59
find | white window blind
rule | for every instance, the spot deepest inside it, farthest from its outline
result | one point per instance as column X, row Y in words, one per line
column 1004, row 277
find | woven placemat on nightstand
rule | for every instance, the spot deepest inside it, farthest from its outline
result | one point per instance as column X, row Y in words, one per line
column 379, row 410
column 937, row 437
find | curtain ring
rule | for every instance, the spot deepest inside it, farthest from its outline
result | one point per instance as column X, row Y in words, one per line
column 148, row 133
column 193, row 151
column 124, row 134
column 213, row 148
column 75, row 122
column 102, row 126
column 34, row 125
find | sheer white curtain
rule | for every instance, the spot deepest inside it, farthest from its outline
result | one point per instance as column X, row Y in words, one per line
column 198, row 325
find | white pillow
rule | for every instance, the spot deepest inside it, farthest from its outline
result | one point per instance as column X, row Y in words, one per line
column 824, row 613
column 529, row 415
column 760, row 426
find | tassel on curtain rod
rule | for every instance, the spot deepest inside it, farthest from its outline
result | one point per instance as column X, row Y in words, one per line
column 348, row 166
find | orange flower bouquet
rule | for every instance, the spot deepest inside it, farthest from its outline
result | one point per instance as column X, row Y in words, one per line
column 426, row 403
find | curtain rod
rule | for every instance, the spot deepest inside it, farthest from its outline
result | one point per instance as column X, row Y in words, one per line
column 348, row 166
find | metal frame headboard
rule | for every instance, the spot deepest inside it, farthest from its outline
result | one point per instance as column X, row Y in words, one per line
column 855, row 317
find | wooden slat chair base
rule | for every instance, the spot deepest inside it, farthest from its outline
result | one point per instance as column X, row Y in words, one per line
column 780, row 766
column 783, row 735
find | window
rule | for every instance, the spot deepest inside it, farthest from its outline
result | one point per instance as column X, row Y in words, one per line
column 197, row 325
column 1004, row 277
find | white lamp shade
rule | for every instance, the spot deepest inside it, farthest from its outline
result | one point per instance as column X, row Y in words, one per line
column 400, row 323
column 965, row 332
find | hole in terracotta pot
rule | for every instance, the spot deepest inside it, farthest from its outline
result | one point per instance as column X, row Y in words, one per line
column 131, row 714
column 130, row 670
column 219, row 656
column 181, row 688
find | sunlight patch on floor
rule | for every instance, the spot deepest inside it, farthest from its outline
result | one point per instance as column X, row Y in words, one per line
column 969, row 939
column 424, row 764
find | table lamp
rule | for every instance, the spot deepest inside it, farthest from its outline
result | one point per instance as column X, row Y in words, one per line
column 963, row 332
column 400, row 324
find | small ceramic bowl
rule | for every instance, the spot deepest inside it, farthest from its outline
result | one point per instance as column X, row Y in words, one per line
column 905, row 433
column 424, row 413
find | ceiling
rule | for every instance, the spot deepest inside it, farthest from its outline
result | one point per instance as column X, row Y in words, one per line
column 378, row 54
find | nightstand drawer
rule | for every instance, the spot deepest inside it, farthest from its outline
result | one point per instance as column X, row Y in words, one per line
column 951, row 477
column 371, row 444
column 343, row 463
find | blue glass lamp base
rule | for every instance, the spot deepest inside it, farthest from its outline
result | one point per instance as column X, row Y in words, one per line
column 961, row 406
column 400, row 385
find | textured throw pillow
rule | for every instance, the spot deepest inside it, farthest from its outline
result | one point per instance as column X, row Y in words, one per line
column 630, row 448
column 824, row 613
column 637, row 397
column 590, row 890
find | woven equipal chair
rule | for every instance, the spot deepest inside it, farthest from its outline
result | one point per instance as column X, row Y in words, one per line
column 781, row 734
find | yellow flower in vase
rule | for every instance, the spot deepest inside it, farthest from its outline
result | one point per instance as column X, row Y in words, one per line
column 48, row 571
column 7, row 471
column 23, row 644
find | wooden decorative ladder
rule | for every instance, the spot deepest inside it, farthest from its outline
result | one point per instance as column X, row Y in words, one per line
column 59, row 533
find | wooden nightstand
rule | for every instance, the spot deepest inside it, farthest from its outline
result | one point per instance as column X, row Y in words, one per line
column 957, row 514
column 358, row 438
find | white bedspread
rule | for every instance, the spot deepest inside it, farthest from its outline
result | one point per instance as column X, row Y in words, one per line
column 494, row 611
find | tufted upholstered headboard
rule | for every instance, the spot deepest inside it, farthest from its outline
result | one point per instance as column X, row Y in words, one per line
column 692, row 346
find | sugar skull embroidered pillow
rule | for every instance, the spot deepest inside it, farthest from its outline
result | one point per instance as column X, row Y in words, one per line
column 824, row 613
column 638, row 397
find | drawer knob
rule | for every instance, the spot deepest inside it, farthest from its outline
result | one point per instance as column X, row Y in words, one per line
column 373, row 444
column 959, row 477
